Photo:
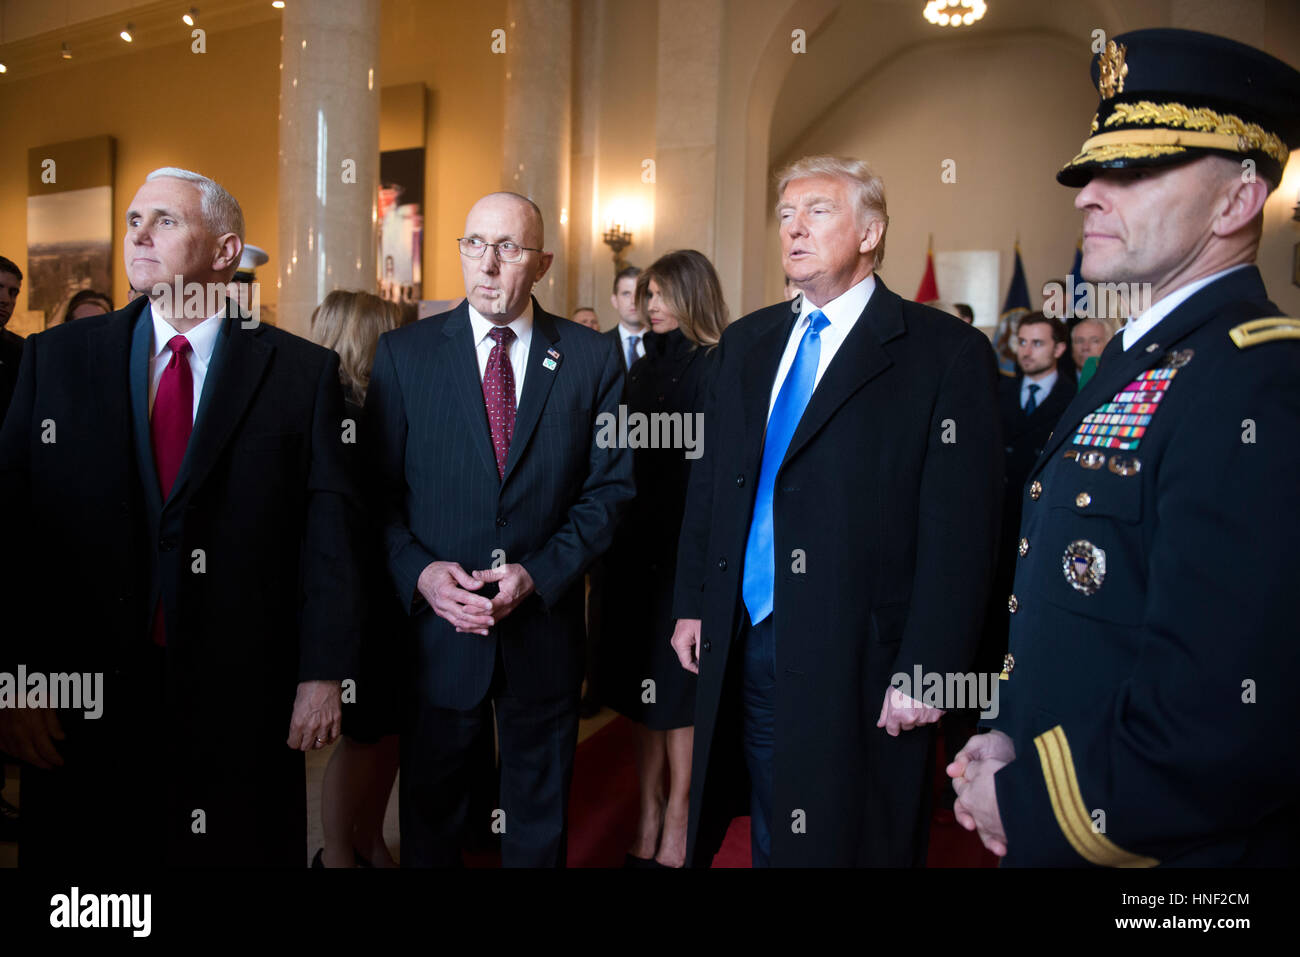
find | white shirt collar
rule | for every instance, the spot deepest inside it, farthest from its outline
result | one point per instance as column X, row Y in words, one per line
column 626, row 334
column 1136, row 328
column 521, row 325
column 844, row 309
column 202, row 338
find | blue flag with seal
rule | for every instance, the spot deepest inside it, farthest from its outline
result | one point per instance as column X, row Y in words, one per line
column 1015, row 306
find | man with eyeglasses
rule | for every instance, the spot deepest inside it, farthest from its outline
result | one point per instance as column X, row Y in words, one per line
column 495, row 498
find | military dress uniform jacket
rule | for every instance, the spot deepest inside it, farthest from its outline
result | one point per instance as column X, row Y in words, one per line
column 1153, row 639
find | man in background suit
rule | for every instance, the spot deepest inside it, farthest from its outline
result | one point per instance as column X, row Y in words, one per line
column 631, row 331
column 187, row 514
column 496, row 498
column 1031, row 403
column 839, row 530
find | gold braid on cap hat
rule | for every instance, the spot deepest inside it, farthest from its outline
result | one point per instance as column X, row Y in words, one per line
column 1177, row 127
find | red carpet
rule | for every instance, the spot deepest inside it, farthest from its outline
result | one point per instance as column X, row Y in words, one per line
column 603, row 808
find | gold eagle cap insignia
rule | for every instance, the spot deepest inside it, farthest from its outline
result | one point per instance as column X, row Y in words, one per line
column 1112, row 70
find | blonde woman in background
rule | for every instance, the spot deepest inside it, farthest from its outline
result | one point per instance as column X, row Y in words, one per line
column 361, row 771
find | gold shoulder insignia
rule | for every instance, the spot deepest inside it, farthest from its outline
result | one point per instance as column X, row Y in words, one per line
column 1264, row 330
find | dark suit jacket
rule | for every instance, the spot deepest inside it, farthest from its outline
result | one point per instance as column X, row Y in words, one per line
column 1144, row 694
column 617, row 337
column 890, row 493
column 11, row 353
column 1025, row 435
column 554, row 512
column 252, row 556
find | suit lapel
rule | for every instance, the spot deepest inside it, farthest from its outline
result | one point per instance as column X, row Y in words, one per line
column 141, row 352
column 860, row 358
column 239, row 362
column 537, row 384
column 757, row 376
column 461, row 366
column 109, row 357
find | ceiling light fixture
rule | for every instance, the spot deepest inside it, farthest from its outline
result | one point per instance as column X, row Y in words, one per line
column 955, row 13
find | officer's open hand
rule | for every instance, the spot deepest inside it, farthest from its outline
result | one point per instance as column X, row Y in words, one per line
column 898, row 712
column 972, row 770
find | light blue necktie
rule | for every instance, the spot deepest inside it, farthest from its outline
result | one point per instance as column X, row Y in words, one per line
column 796, row 390
column 631, row 350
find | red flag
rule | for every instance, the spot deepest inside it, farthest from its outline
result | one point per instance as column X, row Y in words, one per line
column 928, row 291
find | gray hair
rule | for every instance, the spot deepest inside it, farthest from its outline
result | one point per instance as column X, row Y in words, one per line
column 1104, row 321
column 870, row 189
column 221, row 212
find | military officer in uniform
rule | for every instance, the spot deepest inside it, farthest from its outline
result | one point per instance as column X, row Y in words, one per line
column 1147, row 709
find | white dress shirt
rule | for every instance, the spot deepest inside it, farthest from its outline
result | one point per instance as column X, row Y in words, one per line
column 1045, row 382
column 624, row 334
column 1135, row 329
column 518, row 352
column 202, row 339
column 841, row 313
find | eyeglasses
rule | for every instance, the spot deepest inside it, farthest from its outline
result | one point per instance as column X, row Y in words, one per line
column 507, row 252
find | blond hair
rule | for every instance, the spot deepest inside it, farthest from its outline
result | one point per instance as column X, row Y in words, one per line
column 869, row 187
column 350, row 322
column 689, row 287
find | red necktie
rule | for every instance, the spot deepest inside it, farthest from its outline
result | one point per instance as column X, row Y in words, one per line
column 499, row 395
column 169, row 428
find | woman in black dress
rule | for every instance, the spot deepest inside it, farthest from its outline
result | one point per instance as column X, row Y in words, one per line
column 640, row 676
column 361, row 770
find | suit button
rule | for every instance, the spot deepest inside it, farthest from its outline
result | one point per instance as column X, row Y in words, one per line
column 501, row 521
column 1083, row 500
column 1013, row 604
column 722, row 564
column 167, row 544
column 1036, row 490
column 705, row 645
column 1024, row 547
column 740, row 481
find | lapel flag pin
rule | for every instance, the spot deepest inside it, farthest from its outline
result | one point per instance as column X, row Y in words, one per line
column 552, row 353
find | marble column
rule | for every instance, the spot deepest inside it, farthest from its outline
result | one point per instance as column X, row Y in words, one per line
column 535, row 162
column 686, row 124
column 329, row 153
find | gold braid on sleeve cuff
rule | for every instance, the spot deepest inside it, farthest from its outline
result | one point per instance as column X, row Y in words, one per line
column 1071, row 813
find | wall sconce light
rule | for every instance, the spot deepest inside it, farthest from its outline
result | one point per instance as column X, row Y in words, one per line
column 619, row 223
column 128, row 33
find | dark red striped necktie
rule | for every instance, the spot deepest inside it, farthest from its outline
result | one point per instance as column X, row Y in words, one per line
column 499, row 395
column 170, row 428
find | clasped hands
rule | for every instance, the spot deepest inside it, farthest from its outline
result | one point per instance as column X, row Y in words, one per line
column 972, row 770
column 449, row 590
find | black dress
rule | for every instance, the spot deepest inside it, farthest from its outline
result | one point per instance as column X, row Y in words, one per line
column 373, row 710
column 672, row 377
